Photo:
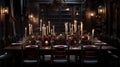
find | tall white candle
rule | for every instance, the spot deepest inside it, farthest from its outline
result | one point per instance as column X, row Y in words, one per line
column 66, row 28
column 47, row 29
column 25, row 31
column 30, row 29
column 40, row 24
column 81, row 28
column 93, row 30
column 72, row 29
column 49, row 26
column 75, row 26
column 53, row 29
column 43, row 30
column 88, row 36
column 78, row 28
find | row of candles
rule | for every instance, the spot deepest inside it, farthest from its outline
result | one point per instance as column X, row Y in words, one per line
column 69, row 28
column 73, row 28
column 44, row 29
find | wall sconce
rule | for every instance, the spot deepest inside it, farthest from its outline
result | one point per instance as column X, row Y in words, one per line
column 33, row 19
column 100, row 9
column 30, row 16
column 101, row 13
column 4, row 10
column 92, row 14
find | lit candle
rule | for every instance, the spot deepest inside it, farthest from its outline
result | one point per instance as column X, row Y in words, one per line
column 47, row 29
column 72, row 29
column 78, row 28
column 43, row 30
column 53, row 29
column 93, row 30
column 25, row 31
column 81, row 28
column 40, row 24
column 75, row 25
column 88, row 36
column 66, row 28
column 49, row 26
column 30, row 29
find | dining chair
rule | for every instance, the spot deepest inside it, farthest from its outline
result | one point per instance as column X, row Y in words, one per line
column 5, row 57
column 90, row 55
column 30, row 55
column 60, row 54
column 5, row 60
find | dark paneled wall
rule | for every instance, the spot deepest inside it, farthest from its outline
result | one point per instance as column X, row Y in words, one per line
column 118, row 18
column 112, row 15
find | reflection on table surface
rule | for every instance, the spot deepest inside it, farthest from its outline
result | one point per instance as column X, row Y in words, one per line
column 19, row 47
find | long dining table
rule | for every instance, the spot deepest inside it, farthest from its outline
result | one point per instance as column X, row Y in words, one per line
column 96, row 43
column 16, row 48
